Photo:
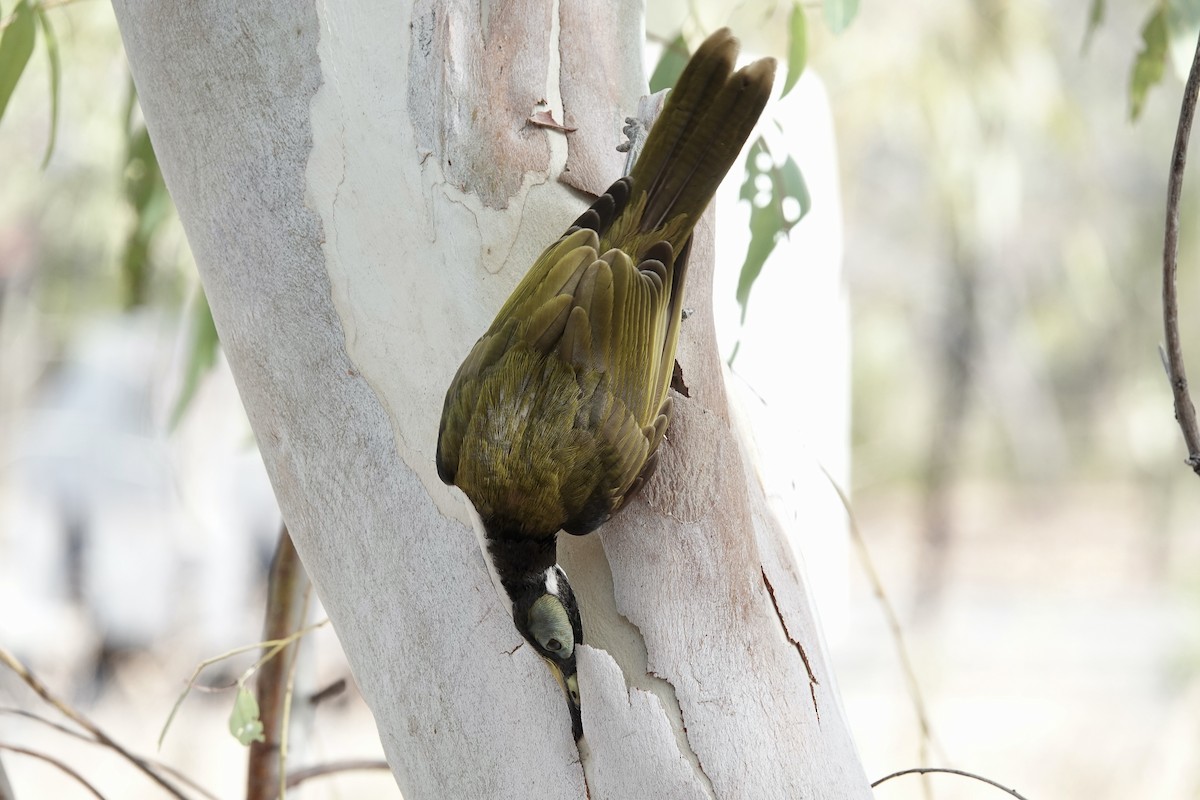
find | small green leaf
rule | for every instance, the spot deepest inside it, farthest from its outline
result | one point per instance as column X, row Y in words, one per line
column 840, row 13
column 771, row 217
column 55, row 80
column 244, row 723
column 674, row 59
column 16, row 45
column 201, row 355
column 797, row 47
column 151, row 203
column 1148, row 67
column 1095, row 20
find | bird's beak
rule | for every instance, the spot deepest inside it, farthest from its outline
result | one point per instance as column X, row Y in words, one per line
column 564, row 673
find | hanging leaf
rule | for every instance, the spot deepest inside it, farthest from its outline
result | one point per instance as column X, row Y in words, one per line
column 1095, row 20
column 768, row 187
column 670, row 65
column 16, row 45
column 839, row 14
column 202, row 347
column 797, row 47
column 55, row 80
column 1148, row 67
column 147, row 195
column 244, row 723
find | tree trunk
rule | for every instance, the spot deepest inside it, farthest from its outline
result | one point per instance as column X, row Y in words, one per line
column 361, row 191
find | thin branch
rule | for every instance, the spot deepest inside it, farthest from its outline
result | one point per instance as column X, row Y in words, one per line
column 298, row 777
column 328, row 693
column 293, row 659
column 287, row 588
column 6, row 790
column 1185, row 412
column 9, row 660
column 167, row 768
column 53, row 762
column 893, row 623
column 275, row 646
column 944, row 771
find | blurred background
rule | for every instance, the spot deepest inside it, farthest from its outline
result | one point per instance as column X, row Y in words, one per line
column 1015, row 470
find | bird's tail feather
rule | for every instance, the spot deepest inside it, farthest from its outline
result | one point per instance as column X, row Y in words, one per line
column 707, row 118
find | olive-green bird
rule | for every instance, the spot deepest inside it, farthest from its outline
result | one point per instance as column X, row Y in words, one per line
column 555, row 417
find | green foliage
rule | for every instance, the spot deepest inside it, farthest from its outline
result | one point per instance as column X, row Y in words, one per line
column 55, row 80
column 147, row 194
column 16, row 46
column 1149, row 64
column 767, row 187
column 839, row 14
column 1095, row 20
column 244, row 722
column 672, row 62
column 797, row 47
column 201, row 354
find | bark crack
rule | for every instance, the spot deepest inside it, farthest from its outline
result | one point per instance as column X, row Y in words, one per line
column 812, row 678
column 632, row 657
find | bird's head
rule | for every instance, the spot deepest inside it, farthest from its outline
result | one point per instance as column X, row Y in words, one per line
column 546, row 614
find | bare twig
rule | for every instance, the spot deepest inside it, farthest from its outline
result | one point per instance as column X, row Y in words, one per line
column 167, row 768
column 274, row 645
column 285, row 724
column 10, row 661
column 6, row 790
column 287, row 589
column 942, row 770
column 1185, row 412
column 328, row 693
column 55, row 763
column 321, row 770
column 893, row 623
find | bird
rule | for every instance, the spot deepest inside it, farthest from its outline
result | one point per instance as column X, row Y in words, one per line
column 554, row 419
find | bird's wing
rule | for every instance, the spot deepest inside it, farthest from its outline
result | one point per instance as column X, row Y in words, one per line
column 535, row 314
column 619, row 336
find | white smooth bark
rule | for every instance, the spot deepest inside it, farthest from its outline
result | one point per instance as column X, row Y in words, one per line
column 361, row 191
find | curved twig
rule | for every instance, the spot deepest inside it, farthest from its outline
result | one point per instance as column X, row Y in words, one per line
column 83, row 737
column 1185, row 412
column 893, row 622
column 55, row 763
column 299, row 776
column 943, row 770
column 31, row 680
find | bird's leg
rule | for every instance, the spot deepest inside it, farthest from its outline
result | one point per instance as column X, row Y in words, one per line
column 637, row 128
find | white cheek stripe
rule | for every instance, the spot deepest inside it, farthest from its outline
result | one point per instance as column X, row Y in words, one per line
column 552, row 581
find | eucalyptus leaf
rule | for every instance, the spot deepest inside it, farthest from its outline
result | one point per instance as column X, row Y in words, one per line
column 147, row 194
column 244, row 722
column 1148, row 66
column 55, row 80
column 670, row 64
column 1095, row 20
column 202, row 349
column 16, row 46
column 797, row 47
column 840, row 13
column 771, row 217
